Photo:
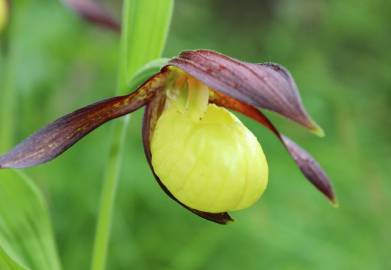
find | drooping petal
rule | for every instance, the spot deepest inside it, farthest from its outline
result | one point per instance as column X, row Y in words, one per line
column 94, row 12
column 307, row 164
column 310, row 168
column 152, row 112
column 57, row 137
column 267, row 86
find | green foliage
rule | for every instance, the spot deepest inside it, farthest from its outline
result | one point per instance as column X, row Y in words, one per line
column 338, row 51
column 145, row 28
column 26, row 236
column 7, row 263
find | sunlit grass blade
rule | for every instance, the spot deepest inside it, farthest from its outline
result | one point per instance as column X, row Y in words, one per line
column 25, row 230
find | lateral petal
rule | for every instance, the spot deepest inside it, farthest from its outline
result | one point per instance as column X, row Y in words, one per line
column 57, row 137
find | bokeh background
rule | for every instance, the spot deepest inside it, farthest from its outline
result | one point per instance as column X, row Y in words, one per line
column 339, row 53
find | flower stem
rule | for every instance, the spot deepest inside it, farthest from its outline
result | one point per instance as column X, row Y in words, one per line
column 145, row 25
column 108, row 196
column 113, row 165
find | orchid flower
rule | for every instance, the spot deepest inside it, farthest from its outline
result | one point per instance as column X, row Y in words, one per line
column 201, row 154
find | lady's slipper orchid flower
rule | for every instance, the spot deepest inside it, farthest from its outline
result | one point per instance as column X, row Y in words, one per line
column 200, row 153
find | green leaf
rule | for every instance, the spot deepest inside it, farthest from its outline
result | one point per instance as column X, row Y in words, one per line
column 147, row 71
column 26, row 236
column 144, row 32
column 7, row 263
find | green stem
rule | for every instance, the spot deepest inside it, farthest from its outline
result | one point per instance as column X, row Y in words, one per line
column 108, row 196
column 112, row 170
column 145, row 25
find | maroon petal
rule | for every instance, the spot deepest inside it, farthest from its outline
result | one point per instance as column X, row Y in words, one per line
column 94, row 12
column 310, row 168
column 307, row 164
column 268, row 86
column 151, row 115
column 57, row 137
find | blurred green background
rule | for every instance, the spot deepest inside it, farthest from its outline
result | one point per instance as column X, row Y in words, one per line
column 339, row 53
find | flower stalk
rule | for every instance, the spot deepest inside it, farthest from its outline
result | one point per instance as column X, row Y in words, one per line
column 109, row 189
column 138, row 46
